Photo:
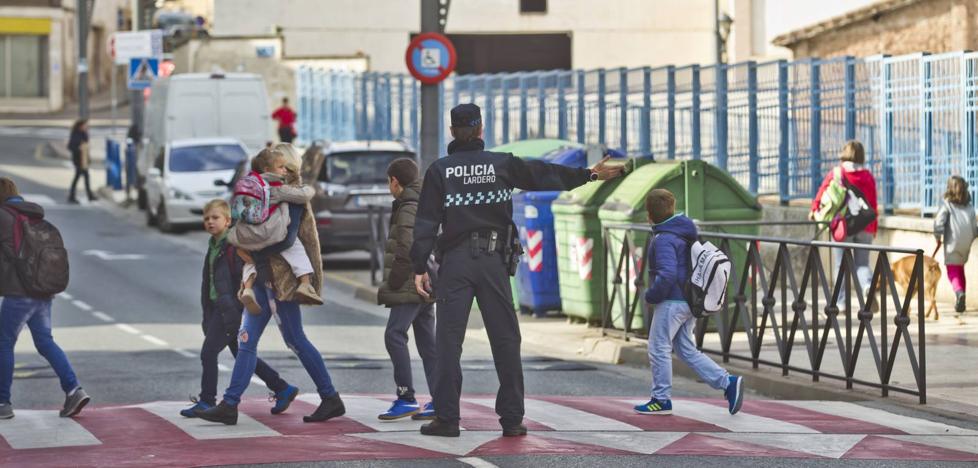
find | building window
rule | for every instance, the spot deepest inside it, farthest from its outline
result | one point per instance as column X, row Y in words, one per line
column 533, row 6
column 23, row 66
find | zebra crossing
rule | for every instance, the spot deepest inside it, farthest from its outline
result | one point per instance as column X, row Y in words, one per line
column 110, row 435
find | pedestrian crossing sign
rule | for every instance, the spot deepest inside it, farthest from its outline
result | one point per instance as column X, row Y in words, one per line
column 142, row 72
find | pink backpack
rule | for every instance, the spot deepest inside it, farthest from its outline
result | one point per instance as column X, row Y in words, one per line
column 251, row 200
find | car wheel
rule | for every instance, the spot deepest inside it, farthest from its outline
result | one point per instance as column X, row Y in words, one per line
column 151, row 219
column 141, row 200
column 162, row 221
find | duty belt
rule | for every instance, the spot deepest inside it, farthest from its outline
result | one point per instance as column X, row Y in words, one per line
column 483, row 242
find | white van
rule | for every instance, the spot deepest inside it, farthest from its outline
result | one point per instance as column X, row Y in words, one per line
column 198, row 105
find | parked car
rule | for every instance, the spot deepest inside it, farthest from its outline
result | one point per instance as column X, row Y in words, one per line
column 197, row 105
column 185, row 175
column 348, row 177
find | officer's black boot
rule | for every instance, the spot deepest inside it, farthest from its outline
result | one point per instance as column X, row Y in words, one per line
column 441, row 428
column 515, row 430
column 330, row 407
column 222, row 413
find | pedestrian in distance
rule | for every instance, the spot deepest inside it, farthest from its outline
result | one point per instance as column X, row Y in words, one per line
column 222, row 315
column 407, row 308
column 275, row 291
column 285, row 117
column 956, row 227
column 672, row 320
column 27, row 297
column 848, row 190
column 468, row 194
column 80, row 158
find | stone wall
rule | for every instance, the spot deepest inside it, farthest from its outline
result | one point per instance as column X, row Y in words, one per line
column 927, row 26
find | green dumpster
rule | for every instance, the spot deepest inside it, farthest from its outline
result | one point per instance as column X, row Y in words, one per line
column 689, row 181
column 533, row 148
column 580, row 247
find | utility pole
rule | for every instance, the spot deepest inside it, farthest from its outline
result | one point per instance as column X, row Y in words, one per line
column 81, row 11
column 433, row 13
column 135, row 96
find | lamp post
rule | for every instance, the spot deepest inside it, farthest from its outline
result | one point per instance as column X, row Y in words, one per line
column 722, row 24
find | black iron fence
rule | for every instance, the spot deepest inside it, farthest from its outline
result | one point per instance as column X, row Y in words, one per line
column 792, row 298
column 379, row 219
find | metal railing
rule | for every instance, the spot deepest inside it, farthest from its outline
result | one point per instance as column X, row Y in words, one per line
column 378, row 216
column 776, row 127
column 779, row 300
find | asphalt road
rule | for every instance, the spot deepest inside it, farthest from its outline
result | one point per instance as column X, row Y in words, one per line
column 130, row 325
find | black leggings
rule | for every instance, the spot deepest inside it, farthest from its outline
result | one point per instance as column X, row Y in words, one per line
column 79, row 173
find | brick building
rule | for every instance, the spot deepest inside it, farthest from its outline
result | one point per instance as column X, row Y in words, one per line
column 890, row 27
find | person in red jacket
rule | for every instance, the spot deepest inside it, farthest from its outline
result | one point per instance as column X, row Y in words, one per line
column 285, row 117
column 852, row 158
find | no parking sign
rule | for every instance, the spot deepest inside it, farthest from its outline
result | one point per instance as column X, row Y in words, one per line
column 430, row 58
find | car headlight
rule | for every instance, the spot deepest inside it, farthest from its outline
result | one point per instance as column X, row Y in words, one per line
column 176, row 193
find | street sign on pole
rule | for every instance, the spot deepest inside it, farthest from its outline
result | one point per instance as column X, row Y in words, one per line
column 142, row 72
column 430, row 58
column 127, row 45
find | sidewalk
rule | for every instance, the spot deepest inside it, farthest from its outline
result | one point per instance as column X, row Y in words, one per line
column 951, row 350
column 99, row 110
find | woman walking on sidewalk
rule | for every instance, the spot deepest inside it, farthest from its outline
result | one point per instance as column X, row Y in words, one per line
column 80, row 158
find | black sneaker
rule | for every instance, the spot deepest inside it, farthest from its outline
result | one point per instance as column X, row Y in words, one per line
column 514, row 431
column 959, row 304
column 331, row 407
column 222, row 413
column 74, row 403
column 440, row 428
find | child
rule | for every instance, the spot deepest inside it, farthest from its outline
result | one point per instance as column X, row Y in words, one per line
column 398, row 292
column 955, row 225
column 270, row 166
column 672, row 323
column 222, row 314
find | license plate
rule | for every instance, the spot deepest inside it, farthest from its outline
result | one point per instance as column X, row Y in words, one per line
column 367, row 200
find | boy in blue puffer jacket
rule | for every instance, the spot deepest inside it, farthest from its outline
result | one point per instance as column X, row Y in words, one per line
column 672, row 322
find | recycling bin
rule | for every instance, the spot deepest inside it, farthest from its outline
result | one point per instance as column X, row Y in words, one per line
column 580, row 248
column 689, row 181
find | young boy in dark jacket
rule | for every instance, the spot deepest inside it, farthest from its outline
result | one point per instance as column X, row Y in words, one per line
column 398, row 292
column 222, row 314
column 672, row 321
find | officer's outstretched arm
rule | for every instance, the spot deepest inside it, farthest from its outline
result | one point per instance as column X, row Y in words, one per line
column 540, row 175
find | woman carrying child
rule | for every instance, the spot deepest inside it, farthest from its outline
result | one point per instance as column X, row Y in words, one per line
column 276, row 292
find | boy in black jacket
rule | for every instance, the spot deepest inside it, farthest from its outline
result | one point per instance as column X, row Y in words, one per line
column 222, row 314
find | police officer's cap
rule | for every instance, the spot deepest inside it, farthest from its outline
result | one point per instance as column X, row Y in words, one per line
column 466, row 115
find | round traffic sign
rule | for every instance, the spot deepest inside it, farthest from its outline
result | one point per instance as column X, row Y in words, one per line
column 430, row 58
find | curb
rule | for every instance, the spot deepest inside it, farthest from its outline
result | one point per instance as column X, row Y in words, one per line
column 59, row 123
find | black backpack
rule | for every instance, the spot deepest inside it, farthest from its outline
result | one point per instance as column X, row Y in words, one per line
column 39, row 256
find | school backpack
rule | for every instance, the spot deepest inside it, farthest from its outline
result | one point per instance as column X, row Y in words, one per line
column 706, row 285
column 251, row 199
column 39, row 256
column 854, row 215
column 833, row 198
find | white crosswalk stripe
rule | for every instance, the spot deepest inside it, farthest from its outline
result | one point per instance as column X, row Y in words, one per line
column 203, row 430
column 466, row 442
column 910, row 425
column 961, row 443
column 31, row 429
column 645, row 443
column 563, row 418
column 741, row 422
column 364, row 410
column 822, row 445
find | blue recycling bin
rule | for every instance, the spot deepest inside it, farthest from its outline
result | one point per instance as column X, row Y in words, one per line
column 536, row 276
column 113, row 165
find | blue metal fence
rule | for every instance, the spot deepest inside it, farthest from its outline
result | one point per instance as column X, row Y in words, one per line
column 776, row 126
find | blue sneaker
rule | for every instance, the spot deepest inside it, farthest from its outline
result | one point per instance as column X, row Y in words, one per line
column 734, row 393
column 426, row 414
column 189, row 412
column 400, row 409
column 283, row 399
column 655, row 407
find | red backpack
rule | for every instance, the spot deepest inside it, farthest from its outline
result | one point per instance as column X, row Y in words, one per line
column 39, row 255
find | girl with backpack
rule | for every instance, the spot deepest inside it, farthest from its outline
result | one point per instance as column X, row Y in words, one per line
column 956, row 227
column 852, row 180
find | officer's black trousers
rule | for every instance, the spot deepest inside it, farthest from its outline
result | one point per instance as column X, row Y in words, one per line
column 461, row 278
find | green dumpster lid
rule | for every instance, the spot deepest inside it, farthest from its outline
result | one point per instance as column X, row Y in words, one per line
column 534, row 148
column 713, row 194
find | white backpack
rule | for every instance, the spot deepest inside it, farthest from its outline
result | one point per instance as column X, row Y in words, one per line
column 709, row 273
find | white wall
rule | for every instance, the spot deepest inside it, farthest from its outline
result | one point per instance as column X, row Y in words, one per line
column 604, row 33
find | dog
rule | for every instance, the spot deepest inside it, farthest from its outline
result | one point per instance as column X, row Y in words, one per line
column 903, row 270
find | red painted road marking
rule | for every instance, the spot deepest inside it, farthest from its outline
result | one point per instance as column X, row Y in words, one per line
column 624, row 413
column 700, row 444
column 884, row 448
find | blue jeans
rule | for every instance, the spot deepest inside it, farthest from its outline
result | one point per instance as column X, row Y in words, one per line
column 15, row 311
column 672, row 329
column 289, row 320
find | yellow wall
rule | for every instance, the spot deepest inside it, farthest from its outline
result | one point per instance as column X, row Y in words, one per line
column 33, row 26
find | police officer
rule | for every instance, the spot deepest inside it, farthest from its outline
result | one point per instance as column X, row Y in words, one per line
column 468, row 194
